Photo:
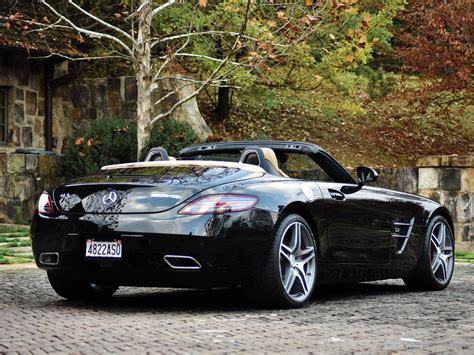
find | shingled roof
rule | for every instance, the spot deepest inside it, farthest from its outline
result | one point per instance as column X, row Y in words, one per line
column 19, row 30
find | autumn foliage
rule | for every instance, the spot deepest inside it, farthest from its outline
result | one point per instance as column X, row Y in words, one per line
column 436, row 39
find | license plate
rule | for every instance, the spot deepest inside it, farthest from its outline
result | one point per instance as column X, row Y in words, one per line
column 100, row 249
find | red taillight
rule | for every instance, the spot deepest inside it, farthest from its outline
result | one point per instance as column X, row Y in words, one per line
column 219, row 204
column 45, row 204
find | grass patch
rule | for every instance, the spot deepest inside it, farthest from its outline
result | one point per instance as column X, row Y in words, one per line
column 19, row 243
column 10, row 256
column 14, row 229
column 13, row 237
column 464, row 257
column 9, row 239
column 11, row 259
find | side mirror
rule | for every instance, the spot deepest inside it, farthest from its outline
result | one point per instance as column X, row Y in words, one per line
column 364, row 175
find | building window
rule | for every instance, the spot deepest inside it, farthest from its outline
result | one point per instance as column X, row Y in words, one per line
column 3, row 115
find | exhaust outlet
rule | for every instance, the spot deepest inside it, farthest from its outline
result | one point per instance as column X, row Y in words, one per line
column 49, row 259
column 182, row 262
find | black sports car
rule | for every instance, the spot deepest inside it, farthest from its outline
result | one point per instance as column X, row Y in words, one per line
column 275, row 217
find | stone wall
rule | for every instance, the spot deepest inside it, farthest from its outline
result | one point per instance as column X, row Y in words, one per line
column 449, row 179
column 76, row 105
column 23, row 177
column 86, row 99
column 25, row 90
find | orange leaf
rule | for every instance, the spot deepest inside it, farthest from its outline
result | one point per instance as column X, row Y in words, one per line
column 281, row 15
column 349, row 58
column 202, row 3
column 363, row 39
column 7, row 25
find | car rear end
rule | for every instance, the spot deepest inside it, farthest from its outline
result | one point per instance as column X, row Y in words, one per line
column 157, row 225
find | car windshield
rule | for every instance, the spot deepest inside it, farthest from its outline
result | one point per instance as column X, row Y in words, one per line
column 301, row 166
column 297, row 166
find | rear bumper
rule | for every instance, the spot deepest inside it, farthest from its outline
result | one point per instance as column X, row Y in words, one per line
column 229, row 248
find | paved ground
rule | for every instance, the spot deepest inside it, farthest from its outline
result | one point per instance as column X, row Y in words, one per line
column 378, row 317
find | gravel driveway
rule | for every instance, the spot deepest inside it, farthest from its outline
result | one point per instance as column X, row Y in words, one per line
column 372, row 317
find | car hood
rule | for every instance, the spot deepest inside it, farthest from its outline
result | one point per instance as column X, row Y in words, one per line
column 143, row 189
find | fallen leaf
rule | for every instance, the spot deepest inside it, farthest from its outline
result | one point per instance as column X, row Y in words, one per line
column 202, row 3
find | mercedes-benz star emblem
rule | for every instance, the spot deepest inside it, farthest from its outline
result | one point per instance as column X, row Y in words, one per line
column 110, row 198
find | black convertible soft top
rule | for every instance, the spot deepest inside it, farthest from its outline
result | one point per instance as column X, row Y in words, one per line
column 315, row 152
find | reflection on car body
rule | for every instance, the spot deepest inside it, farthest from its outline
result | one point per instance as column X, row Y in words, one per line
column 279, row 220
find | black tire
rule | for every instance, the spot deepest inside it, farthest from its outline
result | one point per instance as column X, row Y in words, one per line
column 423, row 278
column 268, row 288
column 74, row 287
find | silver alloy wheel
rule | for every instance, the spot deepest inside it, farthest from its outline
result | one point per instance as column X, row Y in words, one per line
column 441, row 252
column 297, row 261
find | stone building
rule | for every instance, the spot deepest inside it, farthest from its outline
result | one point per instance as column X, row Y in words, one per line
column 30, row 77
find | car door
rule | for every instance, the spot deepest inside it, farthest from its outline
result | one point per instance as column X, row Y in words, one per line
column 358, row 225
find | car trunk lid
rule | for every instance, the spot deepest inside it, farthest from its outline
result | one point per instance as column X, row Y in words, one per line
column 142, row 189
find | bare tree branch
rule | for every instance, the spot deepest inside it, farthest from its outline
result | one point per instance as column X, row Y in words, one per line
column 104, row 23
column 90, row 33
column 203, row 33
column 162, row 7
column 211, row 77
column 76, row 59
column 203, row 56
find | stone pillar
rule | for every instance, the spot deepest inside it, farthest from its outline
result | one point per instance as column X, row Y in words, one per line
column 449, row 179
column 23, row 177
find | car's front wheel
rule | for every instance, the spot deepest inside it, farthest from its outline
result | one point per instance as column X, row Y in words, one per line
column 74, row 287
column 436, row 264
column 288, row 277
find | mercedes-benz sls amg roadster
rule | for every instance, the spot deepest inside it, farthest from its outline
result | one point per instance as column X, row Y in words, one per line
column 277, row 218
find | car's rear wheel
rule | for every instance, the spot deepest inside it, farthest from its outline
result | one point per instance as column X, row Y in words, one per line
column 436, row 264
column 74, row 287
column 288, row 277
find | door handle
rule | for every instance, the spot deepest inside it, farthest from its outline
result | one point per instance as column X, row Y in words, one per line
column 337, row 195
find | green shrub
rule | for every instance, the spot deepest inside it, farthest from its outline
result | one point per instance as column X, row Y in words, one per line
column 113, row 141
column 107, row 141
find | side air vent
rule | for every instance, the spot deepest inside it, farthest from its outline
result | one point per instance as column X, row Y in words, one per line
column 401, row 232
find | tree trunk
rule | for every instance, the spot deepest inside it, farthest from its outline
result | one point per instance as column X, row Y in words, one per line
column 144, row 76
column 143, row 111
column 223, row 103
column 187, row 112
